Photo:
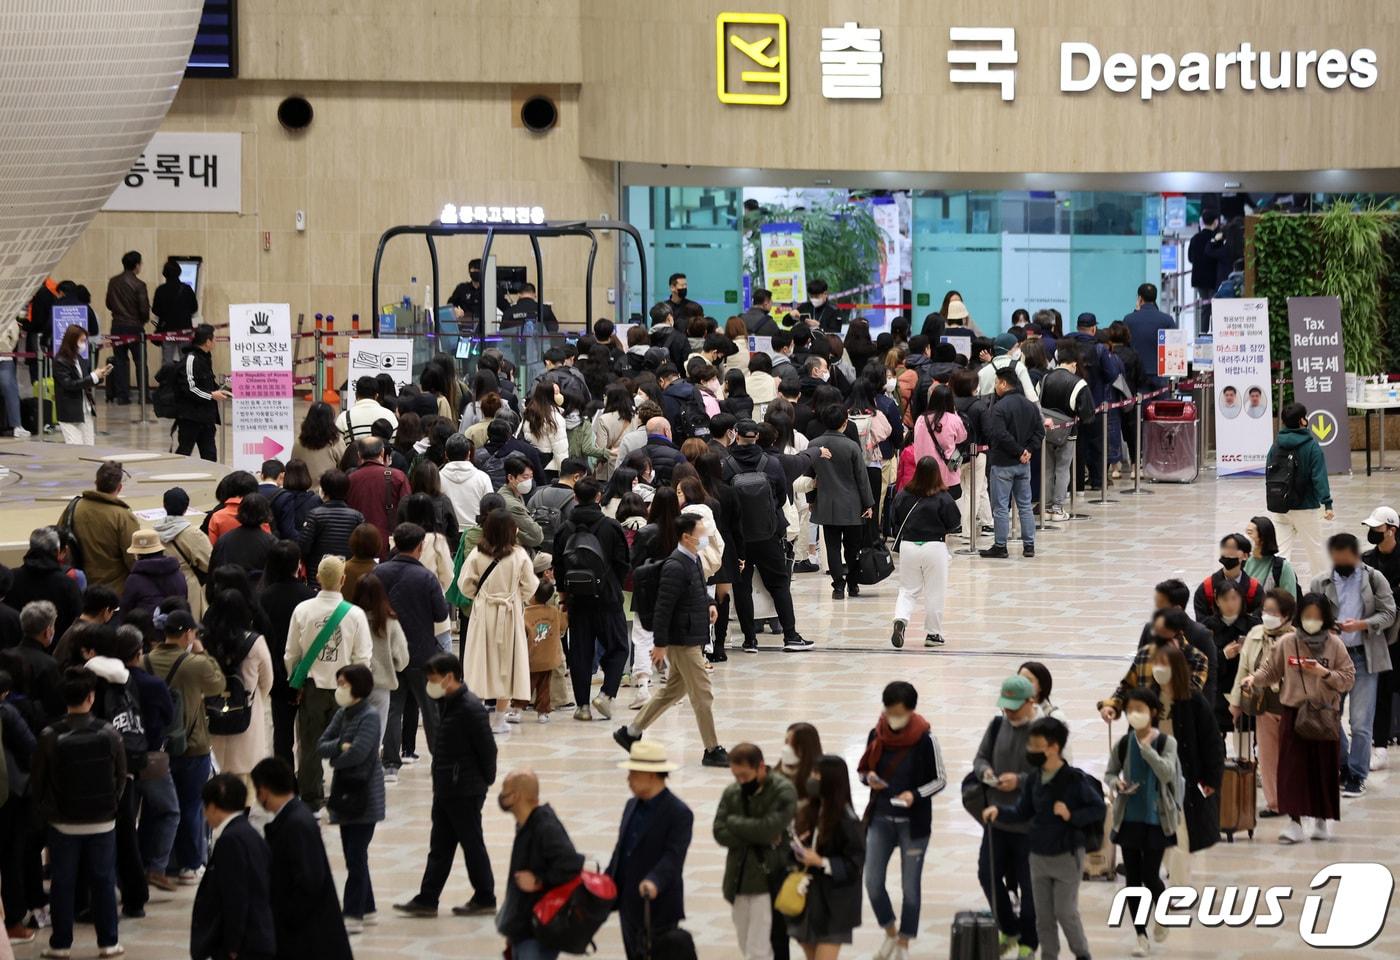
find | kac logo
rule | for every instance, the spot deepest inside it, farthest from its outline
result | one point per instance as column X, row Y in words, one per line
column 261, row 323
column 1358, row 911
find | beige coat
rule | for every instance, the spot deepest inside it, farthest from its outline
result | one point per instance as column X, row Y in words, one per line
column 185, row 543
column 498, row 653
column 319, row 461
column 240, row 753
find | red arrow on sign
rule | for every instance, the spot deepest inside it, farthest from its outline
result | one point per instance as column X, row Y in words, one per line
column 267, row 448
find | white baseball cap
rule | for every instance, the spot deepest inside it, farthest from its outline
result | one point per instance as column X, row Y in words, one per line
column 1382, row 517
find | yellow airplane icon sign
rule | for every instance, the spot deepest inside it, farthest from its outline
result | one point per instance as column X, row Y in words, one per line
column 744, row 42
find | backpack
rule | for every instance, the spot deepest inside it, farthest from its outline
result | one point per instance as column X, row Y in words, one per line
column 493, row 465
column 586, row 567
column 923, row 383
column 693, row 420
column 83, row 773
column 758, row 514
column 170, row 379
column 177, row 735
column 548, row 514
column 120, row 709
column 1251, row 593
column 646, row 582
column 568, row 917
column 1285, row 480
column 1063, row 424
column 1092, row 832
column 68, row 535
column 231, row 712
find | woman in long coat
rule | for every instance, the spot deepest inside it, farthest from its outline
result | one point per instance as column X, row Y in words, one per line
column 236, row 644
column 499, row 577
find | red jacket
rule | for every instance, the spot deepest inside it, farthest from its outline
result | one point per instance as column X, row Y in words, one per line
column 375, row 491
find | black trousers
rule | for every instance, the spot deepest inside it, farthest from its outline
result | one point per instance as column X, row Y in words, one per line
column 595, row 627
column 766, row 557
column 192, row 433
column 16, row 884
column 284, row 726
column 457, row 822
column 1383, row 723
column 1143, row 868
column 123, row 356
column 1090, row 454
column 131, row 866
column 1004, row 863
column 838, row 539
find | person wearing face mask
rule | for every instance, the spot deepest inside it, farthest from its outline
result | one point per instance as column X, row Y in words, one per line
column 520, row 481
column 1189, row 719
column 1299, row 512
column 1313, row 669
column 1383, row 526
column 1235, row 549
column 998, row 772
column 1144, row 776
column 351, row 744
column 1229, row 625
column 802, row 748
column 1364, row 607
column 754, row 815
column 903, row 768
column 464, row 768
column 1174, row 594
column 467, row 298
column 73, row 379
column 1262, row 703
column 1065, row 810
column 1006, row 354
column 830, row 848
column 542, row 857
column 818, row 310
column 1168, row 626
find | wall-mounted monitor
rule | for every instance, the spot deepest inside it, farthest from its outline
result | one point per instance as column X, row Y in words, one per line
column 215, row 52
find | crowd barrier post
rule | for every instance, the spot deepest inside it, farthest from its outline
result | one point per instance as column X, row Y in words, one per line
column 1074, row 472
column 354, row 326
column 1137, row 460
column 320, row 382
column 1103, row 478
column 971, row 548
column 141, row 370
column 315, row 360
column 45, row 371
column 329, row 394
column 1040, row 523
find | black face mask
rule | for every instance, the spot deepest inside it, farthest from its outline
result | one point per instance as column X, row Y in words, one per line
column 1229, row 563
column 1344, row 569
column 1375, row 537
column 750, row 788
column 681, row 292
column 501, row 800
column 475, row 276
column 1035, row 759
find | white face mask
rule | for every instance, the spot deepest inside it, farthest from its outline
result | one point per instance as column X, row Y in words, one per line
column 824, row 376
column 639, row 399
column 525, row 486
column 1311, row 625
column 1139, row 719
column 712, row 386
column 1018, row 723
column 343, row 696
column 789, row 755
column 435, row 690
column 1272, row 621
column 704, row 541
column 890, row 384
column 1228, row 619
column 897, row 723
column 1162, row 673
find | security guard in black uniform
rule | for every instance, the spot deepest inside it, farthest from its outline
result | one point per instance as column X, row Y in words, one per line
column 528, row 308
column 466, row 298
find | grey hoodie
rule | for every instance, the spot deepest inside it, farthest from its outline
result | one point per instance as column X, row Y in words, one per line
column 1004, row 754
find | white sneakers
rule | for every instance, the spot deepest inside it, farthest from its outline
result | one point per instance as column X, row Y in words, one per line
column 1144, row 946
column 1159, row 932
column 21, row 433
column 512, row 716
column 1380, row 758
column 1316, row 828
column 640, row 698
column 1292, row 832
column 1322, row 829
column 887, row 949
column 603, row 705
column 542, row 718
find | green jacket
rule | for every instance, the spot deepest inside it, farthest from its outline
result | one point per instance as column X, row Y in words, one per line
column 582, row 444
column 752, row 830
column 1313, row 461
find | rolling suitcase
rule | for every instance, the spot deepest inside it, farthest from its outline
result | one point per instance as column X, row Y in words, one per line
column 1238, row 790
column 1102, row 864
column 974, row 936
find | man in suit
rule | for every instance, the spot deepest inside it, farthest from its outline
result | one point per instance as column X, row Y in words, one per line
column 681, row 621
column 305, row 908
column 844, row 499
column 464, row 768
column 232, row 915
column 1144, row 323
column 651, row 848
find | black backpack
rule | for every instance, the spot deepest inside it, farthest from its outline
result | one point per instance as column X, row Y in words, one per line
column 84, row 772
column 693, row 420
column 1092, row 832
column 231, row 712
column 547, row 508
column 120, row 709
column 67, row 535
column 1284, row 480
column 170, row 383
column 646, row 582
column 587, row 568
column 757, row 512
column 494, row 465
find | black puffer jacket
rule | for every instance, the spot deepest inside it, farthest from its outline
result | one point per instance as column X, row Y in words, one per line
column 682, row 614
column 464, row 752
column 589, row 517
column 327, row 531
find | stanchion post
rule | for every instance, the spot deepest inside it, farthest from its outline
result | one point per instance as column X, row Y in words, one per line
column 1044, row 486
column 1103, row 478
column 41, row 421
column 141, row 369
column 1073, row 467
column 329, row 393
column 972, row 506
column 1137, row 432
column 319, row 384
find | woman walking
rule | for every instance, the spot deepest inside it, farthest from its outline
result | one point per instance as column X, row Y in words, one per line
column 390, row 655
column 242, row 652
column 924, row 516
column 1262, row 703
column 73, row 380
column 544, row 428
column 356, row 802
column 830, row 847
column 1313, row 669
column 500, row 579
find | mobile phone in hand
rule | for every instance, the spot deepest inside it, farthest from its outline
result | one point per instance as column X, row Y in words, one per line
column 897, row 802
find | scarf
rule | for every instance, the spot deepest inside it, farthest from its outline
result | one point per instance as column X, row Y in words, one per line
column 888, row 739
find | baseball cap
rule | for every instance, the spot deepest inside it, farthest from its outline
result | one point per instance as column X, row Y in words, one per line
column 1004, row 344
column 1015, row 691
column 1382, row 517
column 746, row 428
column 1086, row 320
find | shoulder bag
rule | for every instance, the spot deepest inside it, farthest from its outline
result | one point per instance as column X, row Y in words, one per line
column 303, row 667
column 349, row 795
column 1314, row 721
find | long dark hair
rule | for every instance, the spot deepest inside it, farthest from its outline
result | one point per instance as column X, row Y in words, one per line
column 807, row 743
column 735, row 385
column 371, row 597
column 68, row 349
column 318, row 430
column 834, row 803
column 226, row 622
column 631, row 505
column 664, row 512
column 619, row 484
column 539, row 409
column 927, row 479
column 618, row 399
column 424, row 479
column 498, row 535
column 940, row 402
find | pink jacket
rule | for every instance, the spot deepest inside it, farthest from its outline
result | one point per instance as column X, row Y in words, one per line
column 952, row 433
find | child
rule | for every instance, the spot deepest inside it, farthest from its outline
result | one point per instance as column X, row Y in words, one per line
column 1061, row 803
column 545, row 624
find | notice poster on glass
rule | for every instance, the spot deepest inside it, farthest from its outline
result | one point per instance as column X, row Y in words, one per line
column 75, row 315
column 371, row 356
column 1243, row 428
column 1173, row 348
column 784, row 270
column 260, row 358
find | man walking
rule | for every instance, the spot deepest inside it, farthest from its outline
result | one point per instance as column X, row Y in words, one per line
column 1383, row 533
column 129, row 304
column 681, row 622
column 232, row 918
column 1014, row 430
column 541, row 858
column 1298, row 495
column 1065, row 402
column 464, row 768
column 844, row 500
column 199, row 402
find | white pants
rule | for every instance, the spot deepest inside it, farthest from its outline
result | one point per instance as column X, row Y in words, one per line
column 1300, row 540
column 753, row 922
column 923, row 572
column 78, row 433
column 642, row 645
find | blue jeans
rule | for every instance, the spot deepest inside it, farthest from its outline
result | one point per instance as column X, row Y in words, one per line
column 191, row 839
column 881, row 839
column 97, row 855
column 531, row 950
column 359, row 889
column 1356, row 761
column 160, row 818
column 9, row 391
column 1008, row 482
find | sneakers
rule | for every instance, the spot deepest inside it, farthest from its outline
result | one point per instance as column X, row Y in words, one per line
column 370, row 919
column 160, row 881
column 890, row 946
column 19, row 933
column 1005, row 943
column 996, row 551
column 391, row 775
column 714, row 757
column 1144, row 946
column 1353, row 788
column 793, row 644
column 1057, row 515
column 474, row 908
column 417, row 908
column 602, row 705
column 409, row 759
column 56, row 953
column 354, row 925
column 806, row 566
column 583, row 713
column 624, row 739
column 641, row 696
column 750, row 645
column 1292, row 833
column 21, row 433
column 500, row 727
column 40, row 919
column 897, row 641
column 1159, row 932
column 838, row 593
column 1024, row 952
column 542, row 718
column 933, row 640
column 190, row 878
column 1379, row 758
column 1028, row 550
column 512, row 716
column 1322, row 830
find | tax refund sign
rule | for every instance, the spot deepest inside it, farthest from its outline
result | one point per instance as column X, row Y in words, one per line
column 1319, row 380
column 260, row 357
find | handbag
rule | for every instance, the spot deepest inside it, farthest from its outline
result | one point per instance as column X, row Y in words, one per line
column 791, row 900
column 157, row 766
column 953, row 461
column 349, row 796
column 873, row 561
column 1315, row 721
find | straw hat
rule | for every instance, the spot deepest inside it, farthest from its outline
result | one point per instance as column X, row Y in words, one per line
column 145, row 542
column 648, row 756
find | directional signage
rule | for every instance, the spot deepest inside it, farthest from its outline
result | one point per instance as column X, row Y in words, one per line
column 1319, row 375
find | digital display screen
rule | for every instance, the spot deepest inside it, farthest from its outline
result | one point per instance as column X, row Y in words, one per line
column 215, row 52
column 189, row 271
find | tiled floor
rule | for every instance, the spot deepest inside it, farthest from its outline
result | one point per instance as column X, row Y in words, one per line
column 1078, row 607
